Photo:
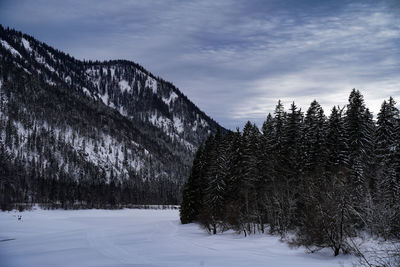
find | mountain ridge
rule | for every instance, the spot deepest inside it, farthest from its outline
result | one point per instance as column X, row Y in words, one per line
column 112, row 121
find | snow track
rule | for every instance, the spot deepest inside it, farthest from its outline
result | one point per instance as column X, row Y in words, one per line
column 137, row 238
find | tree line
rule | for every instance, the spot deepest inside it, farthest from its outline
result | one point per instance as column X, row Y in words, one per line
column 327, row 178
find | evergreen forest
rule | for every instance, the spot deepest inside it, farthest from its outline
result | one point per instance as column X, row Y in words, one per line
column 324, row 177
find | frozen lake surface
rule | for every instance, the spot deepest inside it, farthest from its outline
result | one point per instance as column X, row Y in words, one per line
column 133, row 237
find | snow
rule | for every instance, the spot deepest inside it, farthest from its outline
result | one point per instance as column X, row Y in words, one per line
column 68, row 79
column 171, row 97
column 178, row 124
column 188, row 145
column 199, row 123
column 171, row 128
column 104, row 98
column 123, row 112
column 19, row 66
column 26, row 45
column 42, row 61
column 195, row 126
column 203, row 123
column 159, row 121
column 86, row 91
column 138, row 238
column 50, row 82
column 124, row 86
column 49, row 67
column 152, row 84
column 100, row 157
column 112, row 70
column 10, row 48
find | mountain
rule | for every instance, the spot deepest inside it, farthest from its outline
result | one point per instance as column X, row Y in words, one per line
column 90, row 132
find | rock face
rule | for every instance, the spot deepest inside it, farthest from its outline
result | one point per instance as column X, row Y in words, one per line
column 108, row 123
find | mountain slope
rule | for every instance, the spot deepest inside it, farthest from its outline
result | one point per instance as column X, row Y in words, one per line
column 68, row 125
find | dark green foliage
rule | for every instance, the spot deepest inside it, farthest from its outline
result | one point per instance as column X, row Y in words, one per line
column 314, row 140
column 326, row 215
column 387, row 187
column 336, row 140
column 193, row 190
column 325, row 178
column 360, row 142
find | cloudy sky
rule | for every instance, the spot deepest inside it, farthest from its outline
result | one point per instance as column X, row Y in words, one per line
column 234, row 59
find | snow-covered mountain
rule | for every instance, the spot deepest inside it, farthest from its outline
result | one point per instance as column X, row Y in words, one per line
column 91, row 121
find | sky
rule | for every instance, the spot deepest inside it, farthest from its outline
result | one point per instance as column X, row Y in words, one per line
column 233, row 59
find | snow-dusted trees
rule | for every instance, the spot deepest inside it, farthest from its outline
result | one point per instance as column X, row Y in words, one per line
column 250, row 174
column 192, row 192
column 325, row 213
column 314, row 141
column 336, row 140
column 288, row 180
column 388, row 183
column 360, row 142
column 324, row 177
column 212, row 213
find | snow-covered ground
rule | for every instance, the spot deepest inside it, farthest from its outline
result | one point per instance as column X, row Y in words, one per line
column 132, row 237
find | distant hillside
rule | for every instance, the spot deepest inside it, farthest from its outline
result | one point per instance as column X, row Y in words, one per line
column 93, row 132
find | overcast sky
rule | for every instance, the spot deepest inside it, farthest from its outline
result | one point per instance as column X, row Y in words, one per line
column 234, row 59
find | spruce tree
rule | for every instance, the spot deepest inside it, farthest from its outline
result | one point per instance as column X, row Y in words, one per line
column 265, row 183
column 191, row 196
column 359, row 142
column 387, row 184
column 250, row 172
column 291, row 163
column 314, row 141
column 233, row 202
column 212, row 213
column 336, row 140
column 384, row 133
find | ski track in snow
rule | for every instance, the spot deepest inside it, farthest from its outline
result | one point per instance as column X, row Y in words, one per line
column 132, row 237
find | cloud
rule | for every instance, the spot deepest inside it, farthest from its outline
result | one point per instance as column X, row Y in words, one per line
column 234, row 59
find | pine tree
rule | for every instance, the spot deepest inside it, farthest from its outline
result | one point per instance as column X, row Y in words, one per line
column 336, row 140
column 314, row 142
column 388, row 188
column 250, row 174
column 395, row 220
column 385, row 133
column 384, row 136
column 215, row 191
column 278, row 123
column 359, row 142
column 265, row 183
column 233, row 212
column 192, row 207
column 291, row 166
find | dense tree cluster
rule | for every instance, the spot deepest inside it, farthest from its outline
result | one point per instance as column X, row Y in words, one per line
column 325, row 177
column 46, row 154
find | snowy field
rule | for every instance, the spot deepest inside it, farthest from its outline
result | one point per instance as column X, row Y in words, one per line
column 132, row 237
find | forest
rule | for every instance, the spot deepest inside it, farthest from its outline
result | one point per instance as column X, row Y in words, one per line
column 52, row 142
column 327, row 178
column 90, row 134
